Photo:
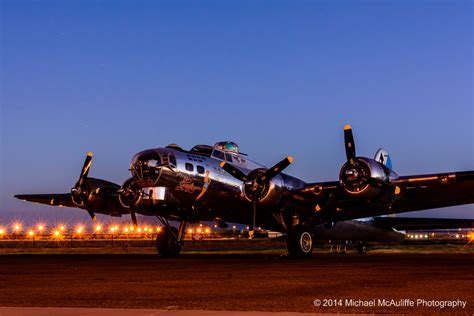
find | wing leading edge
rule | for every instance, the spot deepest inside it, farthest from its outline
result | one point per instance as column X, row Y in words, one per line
column 61, row 199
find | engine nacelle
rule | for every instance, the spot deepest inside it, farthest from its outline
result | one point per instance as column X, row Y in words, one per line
column 269, row 192
column 93, row 193
column 353, row 177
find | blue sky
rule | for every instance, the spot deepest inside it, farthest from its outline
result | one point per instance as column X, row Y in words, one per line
column 277, row 77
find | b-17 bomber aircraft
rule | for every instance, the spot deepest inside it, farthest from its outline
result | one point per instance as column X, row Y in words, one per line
column 219, row 183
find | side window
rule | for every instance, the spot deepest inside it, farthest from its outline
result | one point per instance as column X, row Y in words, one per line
column 172, row 160
column 189, row 167
column 228, row 157
column 218, row 154
column 200, row 169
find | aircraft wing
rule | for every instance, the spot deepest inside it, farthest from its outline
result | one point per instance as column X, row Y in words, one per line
column 102, row 198
column 418, row 192
column 62, row 199
column 410, row 223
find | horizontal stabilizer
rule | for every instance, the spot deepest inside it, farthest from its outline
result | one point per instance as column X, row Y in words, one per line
column 408, row 223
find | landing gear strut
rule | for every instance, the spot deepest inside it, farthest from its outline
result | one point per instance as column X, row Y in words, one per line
column 300, row 241
column 170, row 240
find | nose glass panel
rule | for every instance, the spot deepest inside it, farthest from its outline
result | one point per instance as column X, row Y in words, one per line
column 146, row 165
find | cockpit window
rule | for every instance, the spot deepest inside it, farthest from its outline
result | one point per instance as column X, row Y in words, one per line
column 228, row 157
column 218, row 154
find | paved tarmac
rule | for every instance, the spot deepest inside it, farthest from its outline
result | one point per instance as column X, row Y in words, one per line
column 336, row 283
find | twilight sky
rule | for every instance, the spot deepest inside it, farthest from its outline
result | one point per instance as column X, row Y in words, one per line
column 277, row 77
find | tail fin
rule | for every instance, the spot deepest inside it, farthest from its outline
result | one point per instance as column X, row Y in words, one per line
column 383, row 157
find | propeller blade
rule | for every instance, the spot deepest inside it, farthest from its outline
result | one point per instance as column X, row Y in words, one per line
column 134, row 218
column 92, row 215
column 349, row 143
column 276, row 169
column 236, row 173
column 85, row 168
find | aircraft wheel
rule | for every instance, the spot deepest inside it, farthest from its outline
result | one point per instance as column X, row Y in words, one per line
column 300, row 242
column 167, row 243
column 362, row 248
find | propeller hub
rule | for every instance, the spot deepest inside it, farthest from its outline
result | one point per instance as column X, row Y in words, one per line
column 353, row 176
column 80, row 194
column 256, row 188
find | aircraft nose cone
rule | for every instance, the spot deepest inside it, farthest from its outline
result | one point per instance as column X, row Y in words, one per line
column 146, row 165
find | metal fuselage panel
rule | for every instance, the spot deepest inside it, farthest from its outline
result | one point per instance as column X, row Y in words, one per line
column 207, row 191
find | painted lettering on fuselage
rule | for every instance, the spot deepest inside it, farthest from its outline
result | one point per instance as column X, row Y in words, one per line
column 187, row 185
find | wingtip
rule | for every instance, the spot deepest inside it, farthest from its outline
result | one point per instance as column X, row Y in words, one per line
column 89, row 154
column 222, row 164
column 290, row 159
column 347, row 126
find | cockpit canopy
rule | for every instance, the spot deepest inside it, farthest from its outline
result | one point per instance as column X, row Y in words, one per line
column 228, row 147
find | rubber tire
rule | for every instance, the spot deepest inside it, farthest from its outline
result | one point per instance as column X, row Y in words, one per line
column 294, row 242
column 167, row 243
column 362, row 248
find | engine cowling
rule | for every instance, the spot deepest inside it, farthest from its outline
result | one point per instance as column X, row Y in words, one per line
column 92, row 193
column 357, row 177
column 266, row 192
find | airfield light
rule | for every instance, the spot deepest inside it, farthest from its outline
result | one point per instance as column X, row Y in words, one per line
column 98, row 228
column 17, row 228
column 2, row 231
column 31, row 233
column 208, row 230
column 56, row 233
column 61, row 227
column 112, row 229
column 158, row 229
column 233, row 227
column 190, row 231
column 145, row 229
column 426, row 236
column 125, row 229
column 457, row 235
column 200, row 225
column 132, row 228
column 215, row 226
column 199, row 230
column 139, row 230
column 80, row 229
column 40, row 228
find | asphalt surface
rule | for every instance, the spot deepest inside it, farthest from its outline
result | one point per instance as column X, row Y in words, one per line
column 240, row 282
